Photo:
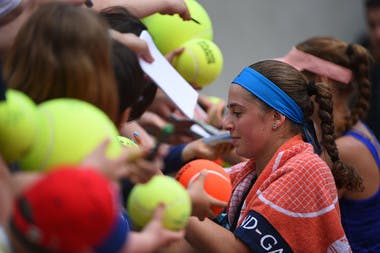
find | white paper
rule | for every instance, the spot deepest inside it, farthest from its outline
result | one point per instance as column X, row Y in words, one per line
column 197, row 129
column 168, row 79
column 222, row 137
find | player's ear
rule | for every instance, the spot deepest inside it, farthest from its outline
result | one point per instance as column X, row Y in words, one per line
column 278, row 119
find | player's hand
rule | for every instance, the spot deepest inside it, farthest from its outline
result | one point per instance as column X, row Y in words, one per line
column 201, row 201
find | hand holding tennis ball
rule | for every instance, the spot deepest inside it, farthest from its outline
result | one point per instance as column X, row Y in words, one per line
column 169, row 32
column 113, row 168
column 215, row 181
column 203, row 204
column 144, row 199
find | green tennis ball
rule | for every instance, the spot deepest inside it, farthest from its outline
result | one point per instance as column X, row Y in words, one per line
column 200, row 63
column 18, row 124
column 126, row 142
column 144, row 198
column 169, row 32
column 69, row 130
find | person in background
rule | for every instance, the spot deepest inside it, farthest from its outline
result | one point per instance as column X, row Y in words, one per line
column 345, row 69
column 371, row 41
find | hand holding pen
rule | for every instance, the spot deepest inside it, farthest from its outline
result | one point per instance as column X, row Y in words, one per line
column 163, row 136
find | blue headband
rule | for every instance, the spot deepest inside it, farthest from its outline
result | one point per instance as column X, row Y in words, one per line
column 277, row 99
column 269, row 93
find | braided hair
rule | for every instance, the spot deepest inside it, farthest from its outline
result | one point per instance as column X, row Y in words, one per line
column 351, row 56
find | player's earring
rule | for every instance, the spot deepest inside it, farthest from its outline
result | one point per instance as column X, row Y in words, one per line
column 274, row 126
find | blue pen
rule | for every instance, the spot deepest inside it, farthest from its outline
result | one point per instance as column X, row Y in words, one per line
column 136, row 136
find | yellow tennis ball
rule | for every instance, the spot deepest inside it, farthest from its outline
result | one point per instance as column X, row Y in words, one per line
column 68, row 131
column 169, row 32
column 214, row 100
column 18, row 124
column 200, row 63
column 144, row 199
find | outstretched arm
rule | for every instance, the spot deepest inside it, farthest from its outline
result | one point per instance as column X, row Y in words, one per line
column 207, row 236
column 143, row 8
column 153, row 237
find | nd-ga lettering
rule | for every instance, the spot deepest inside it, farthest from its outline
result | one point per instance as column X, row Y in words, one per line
column 249, row 222
column 267, row 242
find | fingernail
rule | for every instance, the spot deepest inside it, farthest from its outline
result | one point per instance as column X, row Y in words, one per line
column 135, row 133
column 150, row 58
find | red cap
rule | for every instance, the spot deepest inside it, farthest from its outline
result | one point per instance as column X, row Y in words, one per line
column 71, row 209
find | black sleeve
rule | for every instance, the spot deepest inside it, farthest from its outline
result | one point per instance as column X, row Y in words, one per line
column 260, row 236
column 2, row 84
column 173, row 160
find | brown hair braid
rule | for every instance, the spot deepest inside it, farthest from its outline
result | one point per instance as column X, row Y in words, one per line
column 345, row 175
column 354, row 57
column 360, row 61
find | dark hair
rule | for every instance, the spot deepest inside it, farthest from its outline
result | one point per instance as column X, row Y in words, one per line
column 122, row 20
column 296, row 85
column 2, row 86
column 134, row 90
column 354, row 57
column 372, row 4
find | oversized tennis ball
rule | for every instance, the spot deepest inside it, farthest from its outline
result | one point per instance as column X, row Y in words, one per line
column 144, row 198
column 200, row 63
column 217, row 182
column 18, row 124
column 69, row 130
column 169, row 32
